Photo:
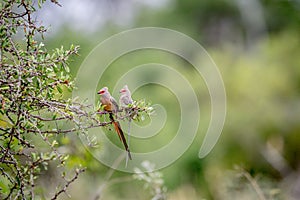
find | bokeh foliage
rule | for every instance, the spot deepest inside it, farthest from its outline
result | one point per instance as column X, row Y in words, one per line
column 262, row 84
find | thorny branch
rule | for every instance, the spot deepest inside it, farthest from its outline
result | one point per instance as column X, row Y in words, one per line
column 32, row 81
column 64, row 189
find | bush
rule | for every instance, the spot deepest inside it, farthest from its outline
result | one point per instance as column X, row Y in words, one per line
column 33, row 81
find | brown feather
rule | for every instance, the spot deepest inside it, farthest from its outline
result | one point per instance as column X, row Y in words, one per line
column 120, row 134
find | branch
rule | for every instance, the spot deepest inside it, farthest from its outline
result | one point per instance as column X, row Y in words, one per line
column 254, row 184
column 64, row 189
column 70, row 130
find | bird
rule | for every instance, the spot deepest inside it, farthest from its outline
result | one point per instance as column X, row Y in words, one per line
column 125, row 98
column 111, row 106
column 124, row 101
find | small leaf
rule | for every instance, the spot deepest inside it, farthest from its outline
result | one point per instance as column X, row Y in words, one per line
column 59, row 89
column 54, row 143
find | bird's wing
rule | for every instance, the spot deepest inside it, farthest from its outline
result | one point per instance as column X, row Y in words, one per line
column 115, row 106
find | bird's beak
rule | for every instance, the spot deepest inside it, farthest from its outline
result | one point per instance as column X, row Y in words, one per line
column 122, row 90
column 100, row 92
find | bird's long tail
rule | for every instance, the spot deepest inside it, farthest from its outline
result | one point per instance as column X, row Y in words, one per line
column 129, row 122
column 120, row 134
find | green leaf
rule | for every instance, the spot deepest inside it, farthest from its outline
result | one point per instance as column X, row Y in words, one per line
column 54, row 143
column 59, row 89
column 67, row 69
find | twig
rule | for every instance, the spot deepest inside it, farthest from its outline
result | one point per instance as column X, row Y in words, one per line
column 254, row 184
column 69, row 130
column 64, row 189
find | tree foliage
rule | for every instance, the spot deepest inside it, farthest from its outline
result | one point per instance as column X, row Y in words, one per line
column 33, row 81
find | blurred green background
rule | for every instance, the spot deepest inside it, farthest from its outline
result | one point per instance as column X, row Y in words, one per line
column 255, row 44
